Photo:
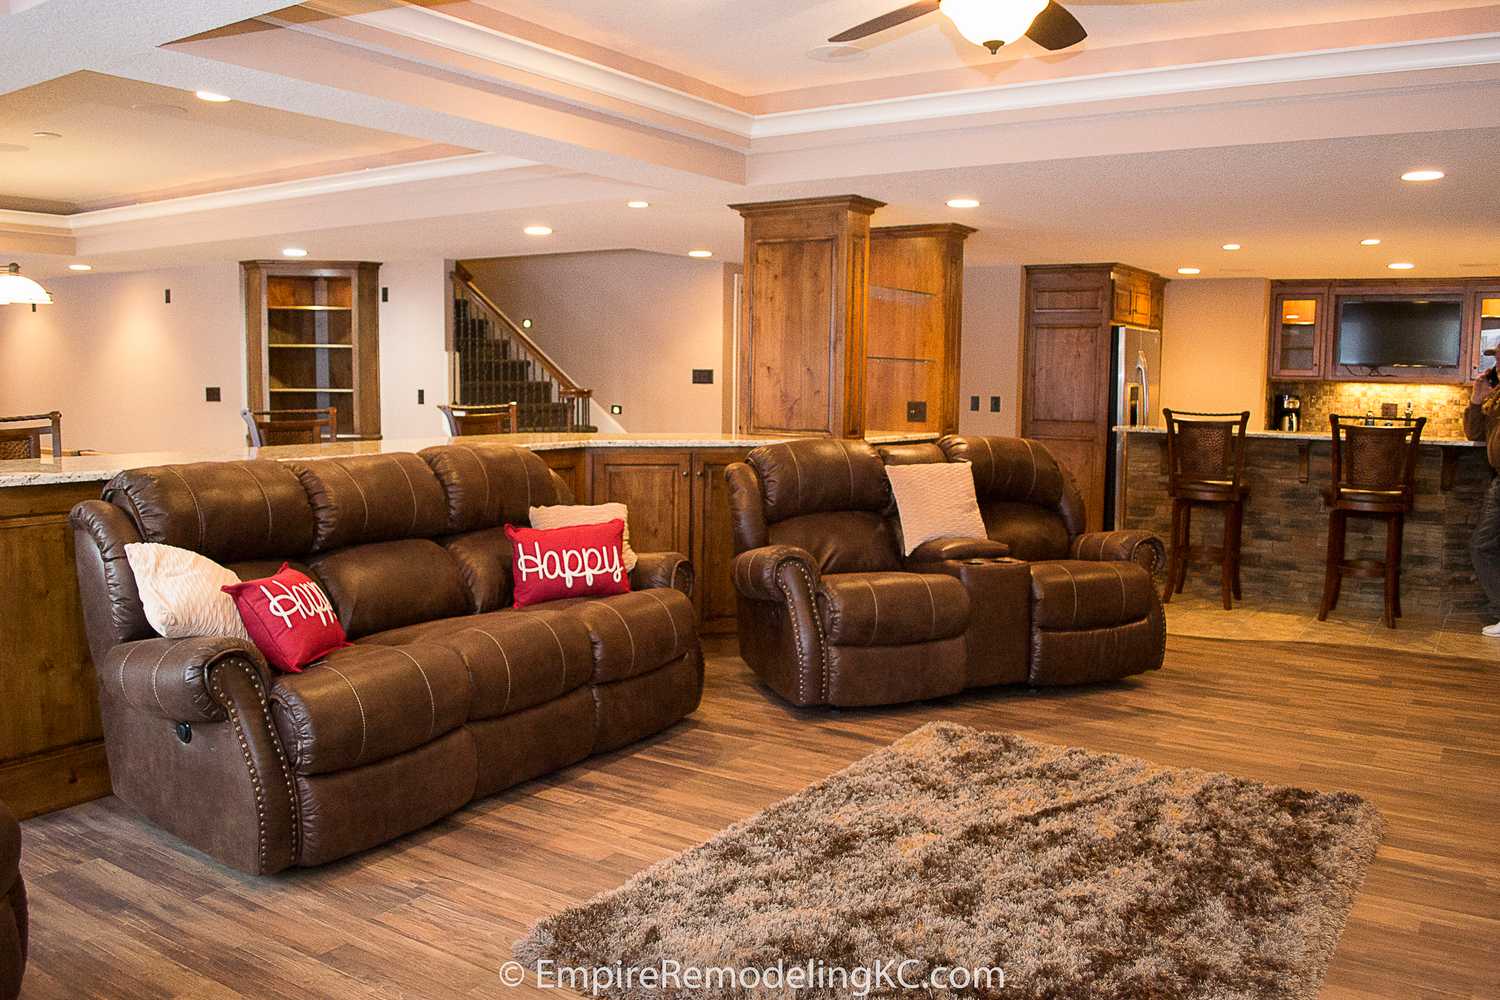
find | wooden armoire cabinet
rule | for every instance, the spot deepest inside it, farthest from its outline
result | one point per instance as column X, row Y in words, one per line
column 1071, row 312
column 915, row 317
column 312, row 339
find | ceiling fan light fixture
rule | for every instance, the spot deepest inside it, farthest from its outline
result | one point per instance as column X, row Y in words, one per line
column 17, row 289
column 992, row 23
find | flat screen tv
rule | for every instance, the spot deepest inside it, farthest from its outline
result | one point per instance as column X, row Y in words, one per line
column 1399, row 333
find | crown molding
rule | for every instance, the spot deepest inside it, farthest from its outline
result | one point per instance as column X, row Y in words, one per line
column 358, row 180
column 1255, row 71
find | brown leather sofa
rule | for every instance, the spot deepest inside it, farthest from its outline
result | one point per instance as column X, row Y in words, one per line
column 830, row 613
column 446, row 694
column 12, row 907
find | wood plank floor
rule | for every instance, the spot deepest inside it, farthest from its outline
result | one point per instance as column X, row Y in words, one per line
column 122, row 911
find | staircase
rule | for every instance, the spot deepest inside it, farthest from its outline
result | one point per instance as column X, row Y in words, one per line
column 498, row 363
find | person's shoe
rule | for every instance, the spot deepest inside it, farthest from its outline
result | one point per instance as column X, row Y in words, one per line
column 1493, row 631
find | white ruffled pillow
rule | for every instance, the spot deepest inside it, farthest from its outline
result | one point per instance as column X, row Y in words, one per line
column 180, row 592
column 569, row 515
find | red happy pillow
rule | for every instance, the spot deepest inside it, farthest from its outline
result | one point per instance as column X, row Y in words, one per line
column 585, row 560
column 289, row 618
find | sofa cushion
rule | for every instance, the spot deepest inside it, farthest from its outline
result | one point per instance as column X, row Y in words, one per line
column 485, row 485
column 228, row 511
column 815, row 475
column 846, row 541
column 372, row 498
column 386, row 585
column 1032, row 532
column 891, row 609
column 935, row 500
column 1069, row 594
column 633, row 633
column 484, row 560
column 366, row 703
column 517, row 660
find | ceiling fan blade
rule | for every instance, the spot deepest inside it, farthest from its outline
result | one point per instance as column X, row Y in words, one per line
column 1054, row 28
column 909, row 12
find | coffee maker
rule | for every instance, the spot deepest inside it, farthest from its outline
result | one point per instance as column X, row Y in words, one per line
column 1286, row 412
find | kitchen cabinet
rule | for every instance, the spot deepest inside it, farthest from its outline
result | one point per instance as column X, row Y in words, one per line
column 1299, row 331
column 677, row 501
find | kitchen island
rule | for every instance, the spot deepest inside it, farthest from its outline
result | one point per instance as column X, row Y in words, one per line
column 51, row 748
column 1286, row 523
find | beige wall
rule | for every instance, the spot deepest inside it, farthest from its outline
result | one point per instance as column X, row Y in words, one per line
column 629, row 324
column 128, row 371
column 1214, row 346
column 991, row 350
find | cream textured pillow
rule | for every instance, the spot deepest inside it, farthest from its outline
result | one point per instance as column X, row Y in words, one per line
column 936, row 500
column 568, row 515
column 180, row 592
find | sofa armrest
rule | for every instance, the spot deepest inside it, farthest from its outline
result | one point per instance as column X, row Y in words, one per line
column 1121, row 546
column 170, row 678
column 775, row 572
column 668, row 570
column 943, row 549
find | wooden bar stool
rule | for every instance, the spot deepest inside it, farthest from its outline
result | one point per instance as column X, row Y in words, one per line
column 1205, row 468
column 294, row 426
column 26, row 442
column 485, row 418
column 1374, row 475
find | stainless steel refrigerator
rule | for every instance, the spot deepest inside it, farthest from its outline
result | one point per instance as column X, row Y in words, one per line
column 1134, row 401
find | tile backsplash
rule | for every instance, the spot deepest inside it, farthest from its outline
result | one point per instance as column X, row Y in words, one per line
column 1442, row 405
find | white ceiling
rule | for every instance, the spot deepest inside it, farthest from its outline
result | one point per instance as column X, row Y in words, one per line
column 1299, row 209
column 123, row 141
column 761, row 47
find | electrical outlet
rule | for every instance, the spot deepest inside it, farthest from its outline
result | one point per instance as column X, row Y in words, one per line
column 211, row 394
column 616, row 409
column 994, row 404
column 703, row 376
column 167, row 296
column 916, row 411
column 385, row 294
column 421, row 396
column 974, row 404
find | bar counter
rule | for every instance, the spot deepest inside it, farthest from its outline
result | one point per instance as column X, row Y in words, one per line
column 1286, row 523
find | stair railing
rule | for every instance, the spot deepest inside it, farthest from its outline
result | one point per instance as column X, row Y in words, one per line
column 489, row 345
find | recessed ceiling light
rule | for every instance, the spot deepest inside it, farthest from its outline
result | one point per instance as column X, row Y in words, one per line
column 637, row 204
column 538, row 230
column 211, row 97
column 700, row 253
column 293, row 252
column 1371, row 242
column 1190, row 270
column 1419, row 176
column 963, row 202
column 44, row 133
column 1230, row 246
column 1401, row 265
column 80, row 267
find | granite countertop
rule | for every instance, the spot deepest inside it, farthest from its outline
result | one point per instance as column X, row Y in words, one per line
column 98, row 468
column 1313, row 436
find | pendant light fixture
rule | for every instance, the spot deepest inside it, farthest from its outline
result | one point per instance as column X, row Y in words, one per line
column 17, row 289
column 992, row 23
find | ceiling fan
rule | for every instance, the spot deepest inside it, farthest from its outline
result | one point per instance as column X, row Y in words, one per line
column 991, row 23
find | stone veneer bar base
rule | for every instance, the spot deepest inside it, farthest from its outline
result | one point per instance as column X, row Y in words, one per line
column 1286, row 527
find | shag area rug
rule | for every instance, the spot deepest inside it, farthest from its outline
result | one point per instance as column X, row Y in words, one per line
column 1080, row 874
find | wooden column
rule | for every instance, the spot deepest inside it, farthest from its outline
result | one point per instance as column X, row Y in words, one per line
column 802, row 340
column 912, row 348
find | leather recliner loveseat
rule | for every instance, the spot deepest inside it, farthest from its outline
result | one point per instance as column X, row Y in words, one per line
column 446, row 693
column 830, row 613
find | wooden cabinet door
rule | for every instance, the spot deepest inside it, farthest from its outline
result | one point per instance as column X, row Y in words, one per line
column 1485, row 310
column 713, row 540
column 1067, row 373
column 1299, row 325
column 572, row 465
column 655, row 485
